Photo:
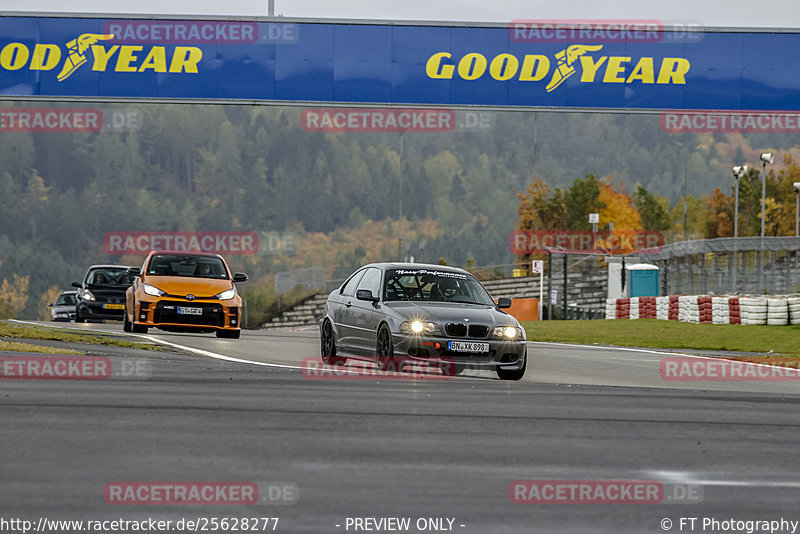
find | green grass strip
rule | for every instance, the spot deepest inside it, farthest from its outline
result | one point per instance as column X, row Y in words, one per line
column 670, row 334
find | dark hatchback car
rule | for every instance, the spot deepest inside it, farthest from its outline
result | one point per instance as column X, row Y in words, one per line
column 101, row 294
column 394, row 313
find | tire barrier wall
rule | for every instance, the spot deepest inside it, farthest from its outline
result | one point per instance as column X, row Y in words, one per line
column 699, row 309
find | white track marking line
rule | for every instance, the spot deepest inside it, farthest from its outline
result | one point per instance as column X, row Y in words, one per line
column 170, row 344
column 651, row 351
column 684, row 477
column 202, row 352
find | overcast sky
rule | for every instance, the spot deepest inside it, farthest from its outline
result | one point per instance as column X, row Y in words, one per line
column 762, row 13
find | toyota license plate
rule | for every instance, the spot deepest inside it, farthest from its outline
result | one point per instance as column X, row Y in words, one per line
column 467, row 346
column 187, row 310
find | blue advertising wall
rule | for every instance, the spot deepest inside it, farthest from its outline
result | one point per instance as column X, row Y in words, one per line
column 392, row 64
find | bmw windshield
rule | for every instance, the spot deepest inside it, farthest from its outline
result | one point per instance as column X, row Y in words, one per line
column 434, row 286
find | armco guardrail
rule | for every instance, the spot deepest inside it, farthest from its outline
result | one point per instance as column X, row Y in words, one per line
column 711, row 309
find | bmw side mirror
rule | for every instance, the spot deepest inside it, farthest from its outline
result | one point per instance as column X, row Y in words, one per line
column 134, row 271
column 239, row 277
column 504, row 302
column 366, row 294
column 76, row 284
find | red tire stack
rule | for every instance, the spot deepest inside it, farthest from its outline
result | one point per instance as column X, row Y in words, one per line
column 674, row 307
column 647, row 307
column 736, row 314
column 706, row 312
column 623, row 308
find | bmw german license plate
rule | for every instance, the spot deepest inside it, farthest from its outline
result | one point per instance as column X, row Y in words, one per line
column 188, row 310
column 467, row 346
column 113, row 306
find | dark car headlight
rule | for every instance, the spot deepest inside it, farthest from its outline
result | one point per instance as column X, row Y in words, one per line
column 419, row 327
column 510, row 333
column 87, row 295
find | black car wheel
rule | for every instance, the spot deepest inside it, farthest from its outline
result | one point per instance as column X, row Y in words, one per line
column 126, row 324
column 230, row 334
column 385, row 350
column 327, row 346
column 514, row 374
column 79, row 318
column 138, row 329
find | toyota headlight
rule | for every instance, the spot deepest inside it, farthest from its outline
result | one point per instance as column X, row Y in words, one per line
column 228, row 294
column 153, row 290
column 510, row 333
column 419, row 327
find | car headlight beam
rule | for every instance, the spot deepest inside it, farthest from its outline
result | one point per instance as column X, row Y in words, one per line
column 419, row 327
column 153, row 290
column 226, row 295
column 507, row 332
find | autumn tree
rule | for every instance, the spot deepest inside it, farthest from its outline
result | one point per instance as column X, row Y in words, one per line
column 653, row 210
column 14, row 295
column 618, row 208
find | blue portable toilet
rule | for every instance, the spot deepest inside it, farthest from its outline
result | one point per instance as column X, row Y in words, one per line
column 642, row 280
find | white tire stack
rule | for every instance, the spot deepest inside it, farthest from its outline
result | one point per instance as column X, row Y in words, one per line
column 720, row 310
column 794, row 309
column 777, row 311
column 662, row 308
column 753, row 310
column 634, row 314
column 611, row 308
column 688, row 311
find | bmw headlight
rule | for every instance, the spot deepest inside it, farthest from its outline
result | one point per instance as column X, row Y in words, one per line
column 419, row 327
column 153, row 290
column 87, row 295
column 509, row 333
column 226, row 295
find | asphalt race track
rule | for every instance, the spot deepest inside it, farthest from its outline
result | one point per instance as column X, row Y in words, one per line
column 381, row 448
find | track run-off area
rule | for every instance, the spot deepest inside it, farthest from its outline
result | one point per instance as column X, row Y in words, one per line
column 444, row 450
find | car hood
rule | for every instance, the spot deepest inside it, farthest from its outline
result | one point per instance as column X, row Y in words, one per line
column 449, row 312
column 199, row 287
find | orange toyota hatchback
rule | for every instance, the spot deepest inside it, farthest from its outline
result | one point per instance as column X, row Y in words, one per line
column 184, row 291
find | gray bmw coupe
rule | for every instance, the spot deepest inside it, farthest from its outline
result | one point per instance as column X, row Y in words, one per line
column 396, row 313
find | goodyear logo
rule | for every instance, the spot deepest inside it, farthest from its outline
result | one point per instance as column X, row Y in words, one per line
column 119, row 58
column 536, row 67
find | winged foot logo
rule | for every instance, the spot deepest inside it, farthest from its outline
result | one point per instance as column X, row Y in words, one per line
column 536, row 67
column 77, row 48
column 105, row 56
